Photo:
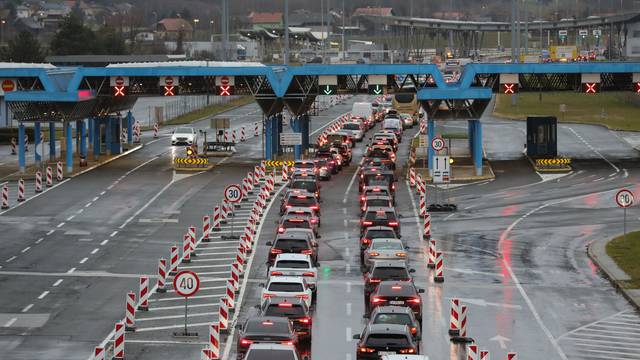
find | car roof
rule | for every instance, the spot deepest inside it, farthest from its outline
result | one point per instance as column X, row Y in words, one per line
column 377, row 197
column 391, row 310
column 298, row 257
column 379, row 228
column 300, row 208
column 388, row 328
column 390, row 263
column 378, row 240
column 275, row 319
column 291, row 234
column 294, row 216
column 380, row 208
column 289, row 279
column 299, row 192
column 271, row 346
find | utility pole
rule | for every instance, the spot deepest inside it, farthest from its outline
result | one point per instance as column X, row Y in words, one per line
column 286, row 32
column 513, row 31
column 225, row 29
column 344, row 56
column 324, row 39
column 526, row 27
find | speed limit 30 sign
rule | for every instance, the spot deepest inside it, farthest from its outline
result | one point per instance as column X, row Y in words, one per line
column 186, row 283
column 437, row 143
column 624, row 198
column 233, row 193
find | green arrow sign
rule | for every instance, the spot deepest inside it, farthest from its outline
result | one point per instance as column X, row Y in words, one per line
column 375, row 89
column 328, row 90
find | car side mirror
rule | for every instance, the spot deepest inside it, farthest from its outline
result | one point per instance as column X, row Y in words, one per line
column 420, row 291
column 412, row 270
column 261, row 285
column 356, row 337
column 269, row 243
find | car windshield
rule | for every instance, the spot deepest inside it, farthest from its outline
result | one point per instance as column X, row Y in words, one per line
column 400, row 319
column 310, row 186
column 292, row 264
column 376, row 234
column 380, row 215
column 304, row 166
column 266, row 327
column 377, row 202
column 268, row 354
column 377, row 340
column 286, row 287
column 387, row 272
column 351, row 127
column 184, row 130
column 291, row 244
column 396, row 290
column 303, row 201
column 386, row 245
column 290, row 310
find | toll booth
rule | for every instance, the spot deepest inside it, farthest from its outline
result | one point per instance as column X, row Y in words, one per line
column 107, row 136
column 542, row 140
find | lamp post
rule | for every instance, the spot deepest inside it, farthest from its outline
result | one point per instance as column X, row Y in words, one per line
column 195, row 27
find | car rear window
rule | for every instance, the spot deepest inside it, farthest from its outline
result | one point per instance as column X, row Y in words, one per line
column 304, row 166
column 377, row 340
column 386, row 245
column 380, row 191
column 379, row 153
column 390, row 273
column 297, row 224
column 400, row 319
column 259, row 326
column 396, row 290
column 351, row 126
column 304, row 201
column 378, row 202
column 285, row 287
column 378, row 181
column 288, row 311
column 375, row 234
column 268, row 354
column 292, row 264
column 310, row 186
column 380, row 216
column 291, row 244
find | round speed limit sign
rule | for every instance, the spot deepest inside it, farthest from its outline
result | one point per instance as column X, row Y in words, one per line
column 186, row 283
column 437, row 143
column 624, row 198
column 233, row 193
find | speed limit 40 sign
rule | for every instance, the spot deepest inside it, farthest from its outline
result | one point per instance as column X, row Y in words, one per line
column 186, row 283
column 233, row 193
column 624, row 198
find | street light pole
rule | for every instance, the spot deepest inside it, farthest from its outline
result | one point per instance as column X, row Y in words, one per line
column 343, row 44
column 286, row 32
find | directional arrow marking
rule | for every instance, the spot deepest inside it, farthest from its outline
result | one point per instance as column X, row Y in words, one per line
column 469, row 271
column 327, row 90
column 377, row 90
column 482, row 302
column 501, row 340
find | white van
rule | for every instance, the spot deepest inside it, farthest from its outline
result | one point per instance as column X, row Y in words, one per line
column 362, row 109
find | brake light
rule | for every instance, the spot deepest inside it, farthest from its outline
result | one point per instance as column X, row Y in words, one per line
column 308, row 274
column 332, row 162
column 276, row 273
column 296, row 220
column 376, row 190
column 276, row 251
column 305, row 320
column 367, row 223
column 301, row 197
column 307, row 252
column 366, row 350
column 393, row 186
column 366, row 241
column 415, row 300
column 267, row 296
column 267, row 322
column 396, row 287
column 393, row 223
column 375, row 281
column 288, row 206
column 401, row 254
column 374, row 254
column 414, row 330
column 315, row 207
column 245, row 342
column 377, row 300
column 287, row 305
column 303, row 296
column 362, row 198
column 408, row 351
column 313, row 221
column 286, row 342
column 324, row 168
column 280, row 230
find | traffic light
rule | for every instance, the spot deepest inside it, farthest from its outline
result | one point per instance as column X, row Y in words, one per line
column 509, row 88
column 169, row 90
column 119, row 91
column 590, row 88
column 225, row 90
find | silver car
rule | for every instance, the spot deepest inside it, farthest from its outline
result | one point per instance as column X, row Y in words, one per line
column 355, row 129
column 384, row 249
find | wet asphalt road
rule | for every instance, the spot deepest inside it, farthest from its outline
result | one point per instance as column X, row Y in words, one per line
column 514, row 252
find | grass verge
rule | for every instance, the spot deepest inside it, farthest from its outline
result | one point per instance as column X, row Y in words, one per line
column 615, row 110
column 626, row 255
column 209, row 111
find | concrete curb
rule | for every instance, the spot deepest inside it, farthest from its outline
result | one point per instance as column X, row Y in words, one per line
column 595, row 251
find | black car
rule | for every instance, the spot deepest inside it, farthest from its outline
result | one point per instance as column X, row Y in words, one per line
column 326, row 166
column 294, row 221
column 380, row 216
column 294, row 309
column 306, row 184
column 375, row 232
column 377, row 177
column 375, row 201
column 385, row 270
column 400, row 315
column 299, row 198
column 381, row 339
column 293, row 242
column 397, row 293
column 265, row 329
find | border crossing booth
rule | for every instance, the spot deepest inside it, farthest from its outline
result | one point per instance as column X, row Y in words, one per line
column 542, row 138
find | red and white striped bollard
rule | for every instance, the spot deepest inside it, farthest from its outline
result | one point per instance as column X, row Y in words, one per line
column 484, row 355
column 130, row 312
column 426, row 233
column 512, row 356
column 223, row 315
column 98, row 353
column 5, row 196
column 214, row 341
column 231, row 295
column 215, row 226
column 155, row 130
column 242, row 134
column 173, row 260
column 49, row 176
column 454, row 318
column 21, row 197
column 118, row 341
column 186, row 248
column 412, row 177
column 162, row 275
column 192, row 240
column 439, row 275
column 143, row 305
column 431, row 255
column 59, row 174
column 472, row 352
column 38, row 181
column 206, row 228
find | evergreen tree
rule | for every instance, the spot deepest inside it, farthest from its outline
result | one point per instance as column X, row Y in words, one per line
column 24, row 47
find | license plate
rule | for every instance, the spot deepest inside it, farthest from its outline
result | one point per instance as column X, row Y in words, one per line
column 386, row 353
column 396, row 302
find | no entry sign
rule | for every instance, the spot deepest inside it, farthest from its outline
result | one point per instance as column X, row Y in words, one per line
column 186, row 283
column 233, row 193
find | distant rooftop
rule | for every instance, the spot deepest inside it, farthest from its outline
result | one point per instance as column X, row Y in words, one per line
column 104, row 60
column 188, row 63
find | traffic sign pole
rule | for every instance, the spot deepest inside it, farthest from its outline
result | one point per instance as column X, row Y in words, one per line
column 186, row 283
column 624, row 199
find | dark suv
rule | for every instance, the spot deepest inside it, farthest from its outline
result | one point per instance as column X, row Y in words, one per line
column 384, row 270
column 397, row 293
column 294, row 309
column 293, row 242
column 381, row 339
column 265, row 329
column 399, row 315
column 380, row 216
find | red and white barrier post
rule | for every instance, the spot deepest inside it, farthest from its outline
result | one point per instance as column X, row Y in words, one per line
column 38, row 181
column 285, row 173
column 13, row 146
column 186, row 248
column 472, row 352
column 192, row 240
column 231, row 295
column 98, row 353
column 5, row 196
column 59, row 174
column 454, row 318
column 463, row 321
column 235, row 276
column 412, row 177
column 206, row 228
column 224, row 212
column 423, row 205
column 21, row 197
column 130, row 312
column 256, row 130
column 143, row 305
column 512, row 356
column 484, row 355
column 162, row 275
column 223, row 315
column 426, row 233
column 118, row 341
column 215, row 226
column 439, row 275
column 173, row 260
column 155, row 130
column 431, row 256
column 242, row 134
column 212, row 352
column 49, row 176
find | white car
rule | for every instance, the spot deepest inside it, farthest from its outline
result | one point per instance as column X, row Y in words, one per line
column 287, row 287
column 184, row 135
column 295, row 265
column 355, row 129
column 271, row 351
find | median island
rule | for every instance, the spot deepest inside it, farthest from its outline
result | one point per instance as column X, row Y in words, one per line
column 626, row 254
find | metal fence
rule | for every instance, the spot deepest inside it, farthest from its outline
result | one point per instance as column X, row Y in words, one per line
column 166, row 110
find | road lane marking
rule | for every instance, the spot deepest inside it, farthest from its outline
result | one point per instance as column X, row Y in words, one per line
column 104, row 242
column 79, row 211
column 88, row 204
column 84, row 260
column 27, row 308
column 10, row 322
column 71, row 270
column 25, row 249
column 58, row 282
column 11, row 258
column 348, row 309
column 144, row 207
column 50, row 232
column 103, row 192
column 70, row 217
column 348, row 286
column 60, row 225
column 110, row 186
column 353, row 179
column 114, row 233
column 39, row 240
column 44, row 293
column 95, row 198
column 94, row 251
column 592, row 148
column 349, row 337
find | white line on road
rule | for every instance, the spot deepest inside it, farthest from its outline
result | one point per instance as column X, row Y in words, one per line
column 104, row 242
column 60, row 225
column 348, row 309
column 144, row 207
column 110, row 186
column 10, row 322
column 348, row 334
column 592, row 148
column 95, row 198
column 84, row 260
column 71, row 270
column 353, row 179
column 88, row 204
column 50, row 232
column 39, row 240
column 25, row 249
column 95, row 251
column 58, row 282
column 44, row 293
column 27, row 308
column 79, row 211
column 348, row 268
column 103, row 192
column 114, row 233
column 348, row 286
column 11, row 258
column 70, row 217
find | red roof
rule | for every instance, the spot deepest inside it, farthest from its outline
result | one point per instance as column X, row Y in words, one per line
column 374, row 11
column 265, row 17
column 175, row 25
